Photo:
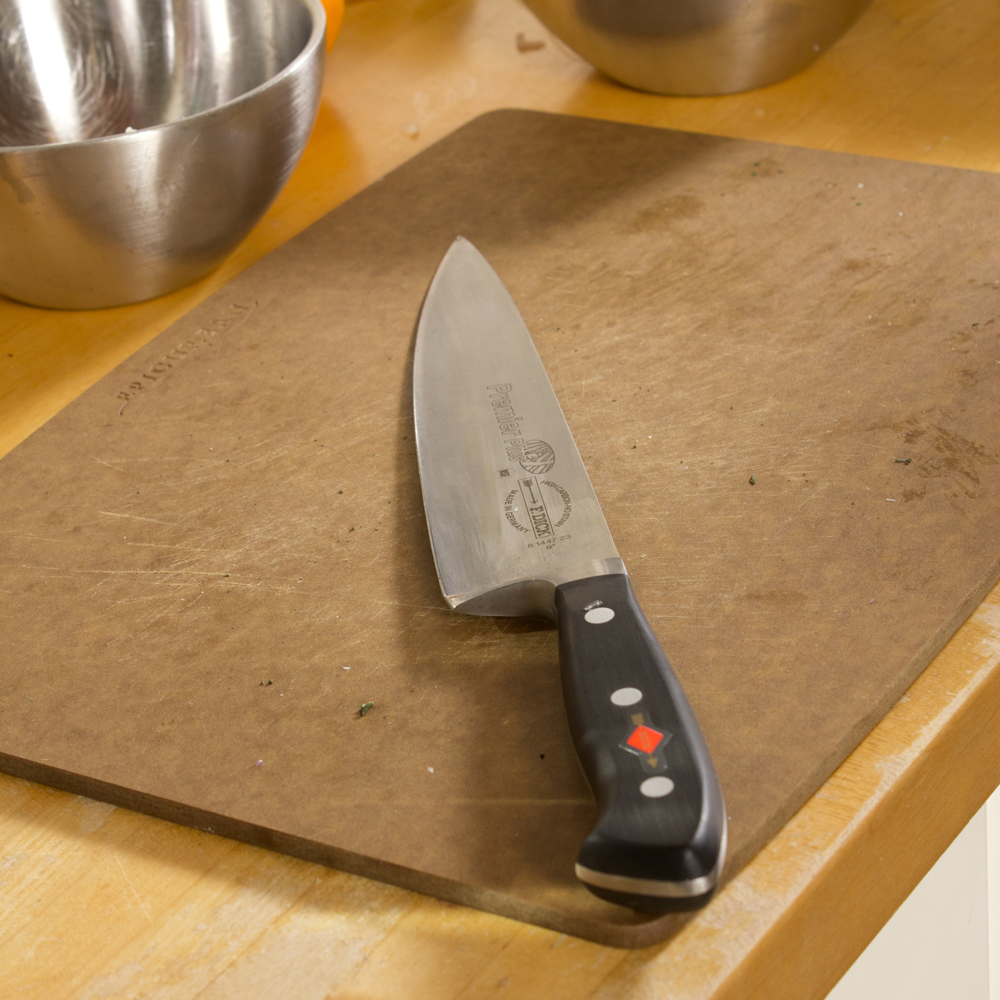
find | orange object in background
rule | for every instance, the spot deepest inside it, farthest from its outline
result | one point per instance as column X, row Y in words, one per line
column 334, row 15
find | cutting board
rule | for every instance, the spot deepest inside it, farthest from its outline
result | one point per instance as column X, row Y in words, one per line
column 781, row 367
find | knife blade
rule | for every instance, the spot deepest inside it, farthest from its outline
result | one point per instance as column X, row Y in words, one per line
column 516, row 529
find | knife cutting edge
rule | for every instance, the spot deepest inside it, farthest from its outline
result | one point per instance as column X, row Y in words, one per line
column 516, row 530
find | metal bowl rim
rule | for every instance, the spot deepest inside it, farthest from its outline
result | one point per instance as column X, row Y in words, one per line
column 315, row 39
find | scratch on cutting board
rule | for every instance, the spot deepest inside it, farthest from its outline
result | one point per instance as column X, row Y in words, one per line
column 36, row 538
column 137, row 572
column 464, row 800
column 419, row 607
column 269, row 457
column 788, row 520
column 183, row 548
column 157, row 458
column 135, row 517
column 101, row 461
column 683, row 617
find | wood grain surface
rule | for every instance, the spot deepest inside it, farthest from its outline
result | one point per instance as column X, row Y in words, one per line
column 134, row 907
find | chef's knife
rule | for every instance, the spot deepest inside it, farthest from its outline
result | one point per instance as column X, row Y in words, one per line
column 517, row 530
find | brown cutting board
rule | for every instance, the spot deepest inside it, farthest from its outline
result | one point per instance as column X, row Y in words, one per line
column 781, row 366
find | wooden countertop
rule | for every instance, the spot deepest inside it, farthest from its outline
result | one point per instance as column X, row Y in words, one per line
column 97, row 901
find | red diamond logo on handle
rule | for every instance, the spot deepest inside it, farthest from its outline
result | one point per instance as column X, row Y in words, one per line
column 645, row 739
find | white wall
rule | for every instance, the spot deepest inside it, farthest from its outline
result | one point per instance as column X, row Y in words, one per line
column 943, row 943
column 993, row 864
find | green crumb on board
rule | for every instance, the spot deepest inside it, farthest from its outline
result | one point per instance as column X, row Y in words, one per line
column 753, row 480
column 903, row 461
column 366, row 707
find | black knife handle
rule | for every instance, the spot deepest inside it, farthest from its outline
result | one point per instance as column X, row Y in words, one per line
column 660, row 837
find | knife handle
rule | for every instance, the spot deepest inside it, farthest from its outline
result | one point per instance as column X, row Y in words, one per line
column 660, row 839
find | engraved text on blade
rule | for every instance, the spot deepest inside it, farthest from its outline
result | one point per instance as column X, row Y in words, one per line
column 529, row 507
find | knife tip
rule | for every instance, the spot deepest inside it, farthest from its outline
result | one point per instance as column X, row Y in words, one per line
column 461, row 247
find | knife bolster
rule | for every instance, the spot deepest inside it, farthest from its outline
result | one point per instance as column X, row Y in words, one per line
column 532, row 597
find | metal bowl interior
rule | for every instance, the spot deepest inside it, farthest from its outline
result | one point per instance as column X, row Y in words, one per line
column 82, row 69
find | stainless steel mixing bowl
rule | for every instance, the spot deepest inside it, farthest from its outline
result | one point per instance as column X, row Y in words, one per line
column 698, row 46
column 140, row 140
